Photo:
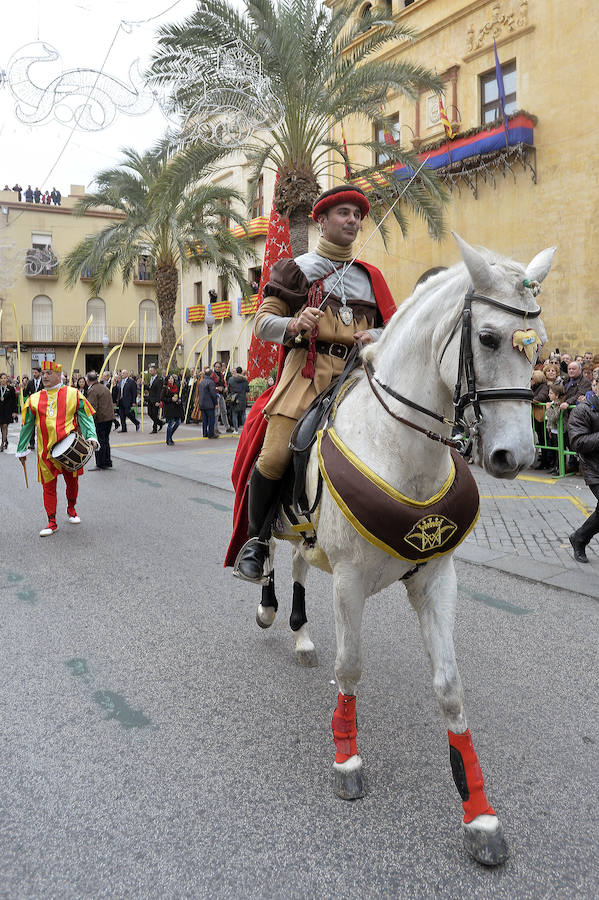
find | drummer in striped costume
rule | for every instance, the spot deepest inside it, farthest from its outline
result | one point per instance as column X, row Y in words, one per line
column 55, row 412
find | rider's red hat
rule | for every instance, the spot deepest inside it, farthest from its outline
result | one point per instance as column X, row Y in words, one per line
column 343, row 193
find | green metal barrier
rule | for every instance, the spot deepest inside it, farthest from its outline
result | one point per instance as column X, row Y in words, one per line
column 560, row 448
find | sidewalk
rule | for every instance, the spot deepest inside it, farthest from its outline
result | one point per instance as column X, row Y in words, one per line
column 522, row 530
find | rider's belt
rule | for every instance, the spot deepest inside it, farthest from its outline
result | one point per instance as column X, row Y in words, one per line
column 408, row 529
column 340, row 351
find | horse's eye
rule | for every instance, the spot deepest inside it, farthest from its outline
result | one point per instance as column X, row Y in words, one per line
column 490, row 340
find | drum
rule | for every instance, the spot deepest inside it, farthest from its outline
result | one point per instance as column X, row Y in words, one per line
column 73, row 452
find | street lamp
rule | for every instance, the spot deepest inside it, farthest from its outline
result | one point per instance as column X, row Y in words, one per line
column 210, row 320
column 105, row 345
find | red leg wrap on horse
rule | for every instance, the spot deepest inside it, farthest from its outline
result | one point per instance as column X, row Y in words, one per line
column 345, row 729
column 468, row 776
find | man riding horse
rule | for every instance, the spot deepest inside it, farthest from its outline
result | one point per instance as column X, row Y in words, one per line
column 317, row 306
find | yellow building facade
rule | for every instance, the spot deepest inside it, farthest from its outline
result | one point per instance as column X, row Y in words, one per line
column 519, row 202
column 34, row 239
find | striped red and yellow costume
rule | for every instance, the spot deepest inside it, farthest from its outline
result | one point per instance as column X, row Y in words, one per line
column 55, row 412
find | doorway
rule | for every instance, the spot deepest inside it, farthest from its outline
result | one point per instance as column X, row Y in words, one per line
column 93, row 362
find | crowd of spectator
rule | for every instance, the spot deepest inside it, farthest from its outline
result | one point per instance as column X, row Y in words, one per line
column 560, row 382
column 34, row 195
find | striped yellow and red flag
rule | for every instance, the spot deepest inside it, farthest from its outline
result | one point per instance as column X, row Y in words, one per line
column 445, row 119
column 195, row 313
column 388, row 135
column 221, row 309
column 249, row 306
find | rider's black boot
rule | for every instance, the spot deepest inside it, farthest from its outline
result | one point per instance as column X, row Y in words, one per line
column 262, row 508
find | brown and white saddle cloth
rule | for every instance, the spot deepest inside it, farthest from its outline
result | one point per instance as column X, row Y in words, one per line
column 408, row 529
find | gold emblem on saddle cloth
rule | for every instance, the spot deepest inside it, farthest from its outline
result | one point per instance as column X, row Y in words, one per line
column 430, row 533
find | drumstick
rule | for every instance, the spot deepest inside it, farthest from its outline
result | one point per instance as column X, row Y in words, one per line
column 24, row 464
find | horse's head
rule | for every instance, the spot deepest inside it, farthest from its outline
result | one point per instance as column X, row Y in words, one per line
column 505, row 344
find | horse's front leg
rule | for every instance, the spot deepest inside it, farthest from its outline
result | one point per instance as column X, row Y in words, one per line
column 433, row 594
column 298, row 622
column 268, row 606
column 348, row 597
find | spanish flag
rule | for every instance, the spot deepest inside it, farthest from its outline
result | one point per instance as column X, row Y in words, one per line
column 445, row 119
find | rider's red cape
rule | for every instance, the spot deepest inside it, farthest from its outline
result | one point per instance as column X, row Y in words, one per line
column 252, row 436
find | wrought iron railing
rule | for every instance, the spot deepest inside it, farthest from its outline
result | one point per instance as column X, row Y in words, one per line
column 70, row 334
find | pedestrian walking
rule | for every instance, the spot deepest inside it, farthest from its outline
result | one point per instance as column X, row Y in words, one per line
column 101, row 399
column 238, row 390
column 583, row 431
column 173, row 410
column 207, row 402
column 127, row 395
column 8, row 409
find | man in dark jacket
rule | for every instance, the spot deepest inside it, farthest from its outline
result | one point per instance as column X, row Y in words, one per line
column 583, row 429
column 127, row 395
column 34, row 385
column 101, row 399
column 154, row 395
column 238, row 389
column 207, row 401
column 576, row 385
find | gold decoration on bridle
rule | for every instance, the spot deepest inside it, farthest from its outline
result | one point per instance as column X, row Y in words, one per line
column 121, row 345
column 143, row 373
column 101, row 372
column 178, row 341
column 76, row 353
column 235, row 345
column 14, row 310
column 206, row 338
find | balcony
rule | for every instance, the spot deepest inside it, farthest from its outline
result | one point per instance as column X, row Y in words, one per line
column 41, row 263
column 70, row 334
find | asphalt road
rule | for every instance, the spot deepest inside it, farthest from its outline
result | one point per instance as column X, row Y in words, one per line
column 156, row 744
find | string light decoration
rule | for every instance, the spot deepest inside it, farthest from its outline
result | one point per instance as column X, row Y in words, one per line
column 84, row 98
column 235, row 97
column 40, row 261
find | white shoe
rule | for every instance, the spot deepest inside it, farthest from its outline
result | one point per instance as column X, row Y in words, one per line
column 47, row 531
column 75, row 520
column 235, row 431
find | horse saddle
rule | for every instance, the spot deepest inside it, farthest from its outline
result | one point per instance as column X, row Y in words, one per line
column 304, row 434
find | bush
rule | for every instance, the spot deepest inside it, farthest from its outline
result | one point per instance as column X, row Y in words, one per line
column 257, row 387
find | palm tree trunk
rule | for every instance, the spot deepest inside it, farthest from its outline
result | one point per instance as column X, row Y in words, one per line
column 167, row 282
column 298, row 229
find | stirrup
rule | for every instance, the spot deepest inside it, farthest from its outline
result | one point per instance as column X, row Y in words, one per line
column 253, row 542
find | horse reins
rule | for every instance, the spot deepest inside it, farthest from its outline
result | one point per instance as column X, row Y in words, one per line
column 472, row 397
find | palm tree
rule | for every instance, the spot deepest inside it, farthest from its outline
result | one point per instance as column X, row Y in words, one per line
column 171, row 228
column 323, row 67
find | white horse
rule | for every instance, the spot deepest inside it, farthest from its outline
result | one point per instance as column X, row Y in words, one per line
column 424, row 349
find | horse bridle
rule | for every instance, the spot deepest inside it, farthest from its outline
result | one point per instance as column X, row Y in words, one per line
column 472, row 396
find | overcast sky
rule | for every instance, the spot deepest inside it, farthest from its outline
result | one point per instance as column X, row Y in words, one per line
column 81, row 31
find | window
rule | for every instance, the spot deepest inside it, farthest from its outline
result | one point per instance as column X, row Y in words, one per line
column 489, row 94
column 386, row 133
column 40, row 259
column 96, row 308
column 148, row 307
column 144, row 268
column 366, row 12
column 41, row 318
column 197, row 293
column 222, row 290
column 258, row 204
column 41, row 239
column 254, row 276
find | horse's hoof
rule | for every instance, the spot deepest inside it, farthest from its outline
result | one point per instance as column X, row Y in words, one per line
column 349, row 779
column 307, row 658
column 265, row 616
column 486, row 844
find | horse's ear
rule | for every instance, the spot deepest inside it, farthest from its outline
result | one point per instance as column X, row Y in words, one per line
column 478, row 267
column 538, row 268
